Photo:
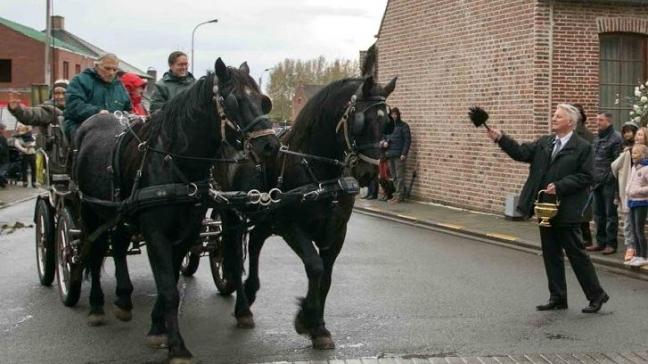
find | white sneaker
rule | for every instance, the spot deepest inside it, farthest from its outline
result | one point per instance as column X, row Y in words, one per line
column 637, row 262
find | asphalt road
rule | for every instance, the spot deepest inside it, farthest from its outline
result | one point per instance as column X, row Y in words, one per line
column 397, row 290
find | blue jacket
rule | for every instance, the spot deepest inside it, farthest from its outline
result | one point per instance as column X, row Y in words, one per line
column 399, row 140
column 88, row 94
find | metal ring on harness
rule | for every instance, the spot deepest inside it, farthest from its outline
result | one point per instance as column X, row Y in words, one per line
column 275, row 195
column 141, row 146
column 265, row 199
column 195, row 190
column 254, row 196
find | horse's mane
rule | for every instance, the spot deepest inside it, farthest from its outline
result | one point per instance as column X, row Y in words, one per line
column 188, row 107
column 319, row 109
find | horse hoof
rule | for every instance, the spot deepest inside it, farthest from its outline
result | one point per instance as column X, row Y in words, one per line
column 121, row 314
column 323, row 343
column 96, row 319
column 180, row 361
column 157, row 341
column 245, row 322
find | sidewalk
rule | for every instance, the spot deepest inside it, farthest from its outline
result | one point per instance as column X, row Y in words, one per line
column 489, row 228
column 14, row 194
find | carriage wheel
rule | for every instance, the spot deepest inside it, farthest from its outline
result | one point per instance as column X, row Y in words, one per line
column 45, row 254
column 190, row 263
column 216, row 257
column 68, row 274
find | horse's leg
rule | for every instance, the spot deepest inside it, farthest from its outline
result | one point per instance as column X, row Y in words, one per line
column 258, row 237
column 309, row 317
column 96, row 316
column 123, row 304
column 233, row 264
column 160, row 253
column 157, row 335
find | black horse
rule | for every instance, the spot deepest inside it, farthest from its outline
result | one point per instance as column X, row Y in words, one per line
column 343, row 123
column 175, row 148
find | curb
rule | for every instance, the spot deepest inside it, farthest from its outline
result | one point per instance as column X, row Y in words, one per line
column 507, row 241
column 16, row 202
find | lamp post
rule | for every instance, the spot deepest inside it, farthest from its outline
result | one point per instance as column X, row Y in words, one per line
column 261, row 77
column 193, row 33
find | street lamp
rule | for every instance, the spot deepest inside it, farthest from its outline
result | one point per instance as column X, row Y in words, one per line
column 193, row 33
column 261, row 77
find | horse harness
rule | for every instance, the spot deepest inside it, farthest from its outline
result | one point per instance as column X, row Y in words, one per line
column 353, row 151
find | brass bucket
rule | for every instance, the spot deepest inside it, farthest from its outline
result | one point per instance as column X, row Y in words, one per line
column 545, row 210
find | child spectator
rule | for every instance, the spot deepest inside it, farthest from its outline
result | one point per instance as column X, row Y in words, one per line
column 637, row 194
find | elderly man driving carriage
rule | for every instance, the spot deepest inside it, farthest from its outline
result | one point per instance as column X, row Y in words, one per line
column 94, row 91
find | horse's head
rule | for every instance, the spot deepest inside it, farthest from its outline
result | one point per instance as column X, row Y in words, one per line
column 243, row 111
column 365, row 126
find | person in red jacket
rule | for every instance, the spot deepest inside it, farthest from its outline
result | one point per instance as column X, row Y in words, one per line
column 135, row 85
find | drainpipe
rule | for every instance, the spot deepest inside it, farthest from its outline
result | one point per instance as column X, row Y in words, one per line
column 551, row 56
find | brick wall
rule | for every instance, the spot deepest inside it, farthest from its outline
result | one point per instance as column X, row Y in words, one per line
column 453, row 54
column 73, row 60
column 27, row 62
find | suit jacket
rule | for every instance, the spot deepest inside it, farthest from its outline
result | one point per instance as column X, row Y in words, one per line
column 570, row 171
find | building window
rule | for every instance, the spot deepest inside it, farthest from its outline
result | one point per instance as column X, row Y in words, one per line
column 623, row 65
column 66, row 70
column 5, row 70
column 77, row 69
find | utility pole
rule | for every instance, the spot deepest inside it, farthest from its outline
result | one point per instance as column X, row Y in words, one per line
column 48, row 37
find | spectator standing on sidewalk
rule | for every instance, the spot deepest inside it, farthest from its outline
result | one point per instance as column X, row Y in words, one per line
column 399, row 142
column 621, row 168
column 175, row 80
column 4, row 156
column 637, row 194
column 607, row 147
column 583, row 132
column 560, row 164
column 26, row 144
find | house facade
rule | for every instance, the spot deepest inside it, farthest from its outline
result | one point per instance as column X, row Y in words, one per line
column 516, row 58
column 22, row 57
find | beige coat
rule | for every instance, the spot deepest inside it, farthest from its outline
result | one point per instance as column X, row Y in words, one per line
column 621, row 168
column 638, row 185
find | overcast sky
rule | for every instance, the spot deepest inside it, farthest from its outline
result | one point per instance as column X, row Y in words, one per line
column 260, row 32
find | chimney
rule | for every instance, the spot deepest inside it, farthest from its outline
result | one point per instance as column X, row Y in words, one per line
column 58, row 22
column 150, row 85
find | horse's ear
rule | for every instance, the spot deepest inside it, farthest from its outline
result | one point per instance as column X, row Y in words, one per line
column 244, row 68
column 368, row 85
column 389, row 88
column 221, row 69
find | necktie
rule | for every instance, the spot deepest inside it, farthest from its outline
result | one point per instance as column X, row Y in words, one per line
column 556, row 149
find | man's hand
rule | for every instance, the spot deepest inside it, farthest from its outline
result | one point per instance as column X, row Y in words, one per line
column 403, row 157
column 104, row 112
column 14, row 101
column 551, row 189
column 494, row 134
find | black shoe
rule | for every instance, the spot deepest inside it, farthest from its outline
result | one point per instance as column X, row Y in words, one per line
column 553, row 305
column 596, row 304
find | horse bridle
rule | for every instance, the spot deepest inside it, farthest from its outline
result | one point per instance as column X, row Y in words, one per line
column 246, row 133
column 353, row 151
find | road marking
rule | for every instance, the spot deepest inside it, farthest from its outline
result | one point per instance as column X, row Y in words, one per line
column 450, row 226
column 502, row 236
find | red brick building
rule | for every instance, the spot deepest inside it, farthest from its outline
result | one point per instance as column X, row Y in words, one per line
column 303, row 92
column 517, row 59
column 22, row 57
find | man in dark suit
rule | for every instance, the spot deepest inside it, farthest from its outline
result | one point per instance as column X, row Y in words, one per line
column 561, row 165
